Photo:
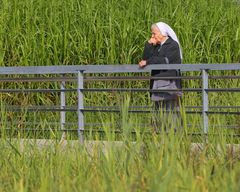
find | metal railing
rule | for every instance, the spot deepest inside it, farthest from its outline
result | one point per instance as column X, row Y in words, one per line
column 79, row 72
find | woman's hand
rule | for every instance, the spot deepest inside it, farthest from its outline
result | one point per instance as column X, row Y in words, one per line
column 142, row 63
column 152, row 41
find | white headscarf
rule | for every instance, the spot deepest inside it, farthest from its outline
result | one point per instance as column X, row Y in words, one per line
column 166, row 30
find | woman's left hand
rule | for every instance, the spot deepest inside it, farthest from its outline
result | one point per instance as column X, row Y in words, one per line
column 142, row 63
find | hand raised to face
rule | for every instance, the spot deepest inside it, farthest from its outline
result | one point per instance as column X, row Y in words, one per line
column 152, row 40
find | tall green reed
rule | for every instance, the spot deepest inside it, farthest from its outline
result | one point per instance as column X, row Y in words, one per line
column 97, row 32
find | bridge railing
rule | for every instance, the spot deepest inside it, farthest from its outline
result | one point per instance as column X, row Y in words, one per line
column 81, row 73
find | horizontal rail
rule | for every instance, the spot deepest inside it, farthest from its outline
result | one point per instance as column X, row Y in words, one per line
column 119, row 90
column 124, row 68
column 113, row 110
column 35, row 90
column 223, row 90
column 96, row 90
column 236, row 126
column 37, row 79
column 38, row 107
column 215, row 107
column 100, row 124
column 111, row 78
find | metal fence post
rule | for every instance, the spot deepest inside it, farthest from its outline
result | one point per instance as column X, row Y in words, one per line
column 205, row 100
column 80, row 107
column 63, row 105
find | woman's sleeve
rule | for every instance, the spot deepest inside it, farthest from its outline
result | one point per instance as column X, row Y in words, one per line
column 148, row 51
column 172, row 55
column 156, row 60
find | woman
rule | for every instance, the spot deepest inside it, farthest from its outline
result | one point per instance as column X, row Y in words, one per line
column 163, row 48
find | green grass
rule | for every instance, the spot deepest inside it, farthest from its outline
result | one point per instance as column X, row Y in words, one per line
column 81, row 32
column 102, row 32
column 152, row 163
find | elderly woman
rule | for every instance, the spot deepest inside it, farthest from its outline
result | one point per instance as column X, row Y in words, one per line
column 163, row 48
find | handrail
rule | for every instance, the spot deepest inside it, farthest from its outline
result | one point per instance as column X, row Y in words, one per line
column 80, row 72
column 124, row 68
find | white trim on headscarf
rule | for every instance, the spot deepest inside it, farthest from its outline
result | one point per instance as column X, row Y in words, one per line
column 166, row 30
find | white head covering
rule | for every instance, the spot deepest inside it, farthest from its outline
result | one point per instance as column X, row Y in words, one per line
column 166, row 30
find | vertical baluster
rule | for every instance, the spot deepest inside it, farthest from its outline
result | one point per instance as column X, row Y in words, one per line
column 205, row 100
column 63, row 105
column 80, row 107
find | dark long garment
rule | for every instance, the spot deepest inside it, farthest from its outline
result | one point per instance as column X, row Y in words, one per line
column 168, row 53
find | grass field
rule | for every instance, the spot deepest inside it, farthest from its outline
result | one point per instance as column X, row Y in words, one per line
column 81, row 32
column 113, row 32
column 155, row 163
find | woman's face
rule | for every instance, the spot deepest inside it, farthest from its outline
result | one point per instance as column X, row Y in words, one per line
column 156, row 34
